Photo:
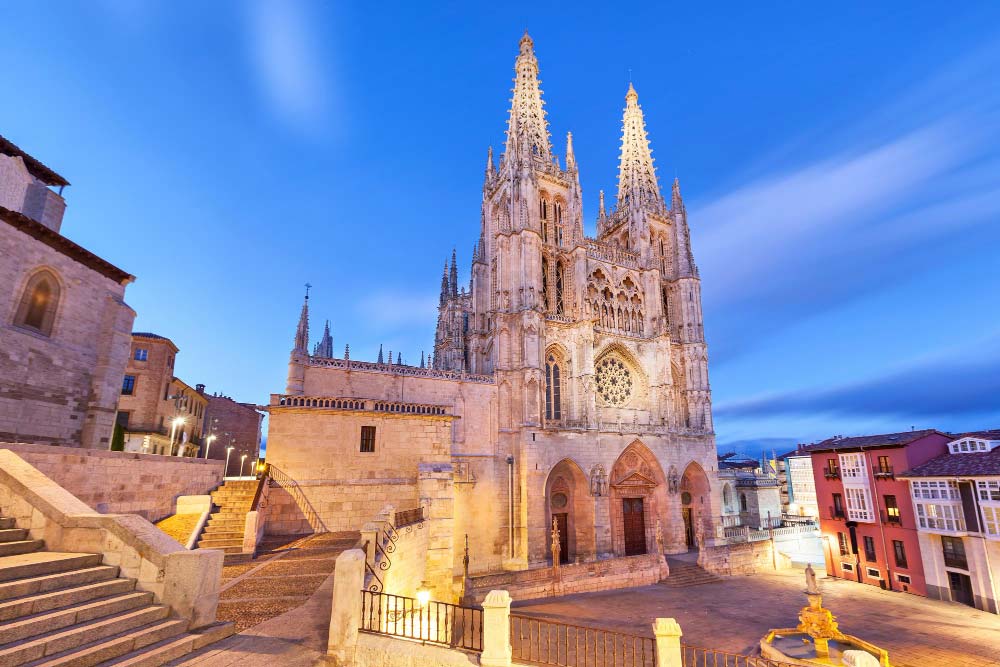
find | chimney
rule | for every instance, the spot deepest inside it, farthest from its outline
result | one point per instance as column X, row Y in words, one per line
column 200, row 388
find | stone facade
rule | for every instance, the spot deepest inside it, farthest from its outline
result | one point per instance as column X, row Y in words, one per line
column 64, row 324
column 152, row 400
column 569, row 380
column 120, row 482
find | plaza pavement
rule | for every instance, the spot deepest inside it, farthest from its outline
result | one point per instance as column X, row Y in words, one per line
column 733, row 614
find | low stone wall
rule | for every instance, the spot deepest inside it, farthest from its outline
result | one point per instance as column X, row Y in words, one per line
column 382, row 651
column 186, row 581
column 601, row 575
column 744, row 558
column 123, row 482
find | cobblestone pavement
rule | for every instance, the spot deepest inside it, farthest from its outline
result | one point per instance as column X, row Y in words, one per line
column 733, row 614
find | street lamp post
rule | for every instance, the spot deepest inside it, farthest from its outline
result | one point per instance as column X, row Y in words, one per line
column 229, row 450
column 177, row 421
column 243, row 460
column 208, row 443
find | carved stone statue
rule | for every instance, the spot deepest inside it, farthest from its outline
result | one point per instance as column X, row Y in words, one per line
column 598, row 481
column 556, row 547
column 811, row 588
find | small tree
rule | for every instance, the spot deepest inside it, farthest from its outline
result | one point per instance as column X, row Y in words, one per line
column 118, row 438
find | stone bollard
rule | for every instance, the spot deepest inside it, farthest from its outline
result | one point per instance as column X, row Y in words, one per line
column 496, row 630
column 348, row 580
column 668, row 643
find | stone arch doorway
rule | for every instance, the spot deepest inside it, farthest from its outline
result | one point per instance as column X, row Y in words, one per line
column 638, row 498
column 568, row 502
column 696, row 505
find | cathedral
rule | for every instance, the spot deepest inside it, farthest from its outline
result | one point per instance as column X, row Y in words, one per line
column 568, row 386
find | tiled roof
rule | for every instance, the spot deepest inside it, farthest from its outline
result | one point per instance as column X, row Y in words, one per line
column 992, row 434
column 146, row 334
column 978, row 464
column 61, row 244
column 35, row 168
column 868, row 441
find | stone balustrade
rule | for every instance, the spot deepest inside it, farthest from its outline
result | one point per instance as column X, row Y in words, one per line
column 401, row 369
column 609, row 253
column 358, row 404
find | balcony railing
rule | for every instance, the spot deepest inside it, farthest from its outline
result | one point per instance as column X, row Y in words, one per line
column 884, row 472
column 836, row 512
column 832, row 473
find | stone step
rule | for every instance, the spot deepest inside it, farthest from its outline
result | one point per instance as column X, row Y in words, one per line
column 228, row 550
column 235, row 526
column 167, row 651
column 13, row 534
column 220, row 543
column 50, row 582
column 43, row 563
column 222, row 535
column 64, row 597
column 57, row 648
column 19, row 547
column 49, row 622
column 235, row 558
column 7, row 522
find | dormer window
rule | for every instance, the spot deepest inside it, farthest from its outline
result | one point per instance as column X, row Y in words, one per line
column 971, row 445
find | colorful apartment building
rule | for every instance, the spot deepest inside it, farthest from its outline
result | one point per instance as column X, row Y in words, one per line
column 956, row 500
column 866, row 518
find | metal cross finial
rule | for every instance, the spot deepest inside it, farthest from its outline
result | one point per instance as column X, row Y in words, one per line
column 308, row 286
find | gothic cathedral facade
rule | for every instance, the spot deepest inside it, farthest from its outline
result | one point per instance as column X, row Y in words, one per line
column 570, row 379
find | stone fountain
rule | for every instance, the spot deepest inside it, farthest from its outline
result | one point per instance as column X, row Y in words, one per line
column 817, row 639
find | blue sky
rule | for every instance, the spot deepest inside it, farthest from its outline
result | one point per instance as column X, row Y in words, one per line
column 840, row 166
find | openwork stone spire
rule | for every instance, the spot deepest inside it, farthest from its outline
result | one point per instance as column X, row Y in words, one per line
column 636, row 176
column 527, row 131
column 302, row 331
column 324, row 348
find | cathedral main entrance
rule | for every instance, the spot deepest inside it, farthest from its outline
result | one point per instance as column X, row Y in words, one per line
column 634, row 523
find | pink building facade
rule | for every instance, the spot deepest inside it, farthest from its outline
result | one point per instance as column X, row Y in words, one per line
column 866, row 517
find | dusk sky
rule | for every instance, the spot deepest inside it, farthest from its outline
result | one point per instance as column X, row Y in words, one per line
column 840, row 167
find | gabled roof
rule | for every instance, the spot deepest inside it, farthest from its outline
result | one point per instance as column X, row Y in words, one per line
column 977, row 464
column 61, row 244
column 35, row 168
column 992, row 434
column 839, row 443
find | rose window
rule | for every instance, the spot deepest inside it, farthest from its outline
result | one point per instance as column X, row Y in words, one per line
column 614, row 382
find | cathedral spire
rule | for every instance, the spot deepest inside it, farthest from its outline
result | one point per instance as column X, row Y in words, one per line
column 570, row 157
column 302, row 331
column 381, row 359
column 676, row 203
column 527, row 131
column 636, row 175
column 490, row 169
column 453, row 274
column 444, row 283
column 324, row 348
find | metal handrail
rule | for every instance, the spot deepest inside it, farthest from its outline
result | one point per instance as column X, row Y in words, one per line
column 262, row 481
column 541, row 642
column 695, row 656
column 432, row 622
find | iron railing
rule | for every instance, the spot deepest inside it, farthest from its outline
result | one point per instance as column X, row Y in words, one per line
column 538, row 642
column 409, row 517
column 694, row 656
column 430, row 623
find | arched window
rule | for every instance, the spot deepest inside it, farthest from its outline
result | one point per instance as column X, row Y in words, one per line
column 553, row 389
column 743, row 502
column 545, row 284
column 559, row 288
column 727, row 497
column 39, row 303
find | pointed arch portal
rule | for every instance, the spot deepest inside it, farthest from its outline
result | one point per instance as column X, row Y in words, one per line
column 638, row 497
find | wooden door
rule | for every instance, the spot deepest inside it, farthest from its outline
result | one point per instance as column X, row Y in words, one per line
column 563, row 524
column 961, row 588
column 635, row 526
column 688, row 528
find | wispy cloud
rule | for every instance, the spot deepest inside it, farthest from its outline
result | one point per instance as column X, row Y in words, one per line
column 288, row 63
column 957, row 384
column 810, row 236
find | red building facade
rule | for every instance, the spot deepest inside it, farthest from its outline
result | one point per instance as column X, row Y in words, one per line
column 866, row 517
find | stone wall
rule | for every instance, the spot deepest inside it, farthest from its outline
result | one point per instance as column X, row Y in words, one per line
column 60, row 388
column 122, row 482
column 242, row 421
column 745, row 558
column 542, row 582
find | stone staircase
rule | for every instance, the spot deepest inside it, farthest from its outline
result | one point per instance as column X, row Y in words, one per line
column 684, row 573
column 68, row 609
column 224, row 530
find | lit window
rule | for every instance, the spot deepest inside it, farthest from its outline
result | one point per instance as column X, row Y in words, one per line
column 128, row 385
column 39, row 303
column 892, row 509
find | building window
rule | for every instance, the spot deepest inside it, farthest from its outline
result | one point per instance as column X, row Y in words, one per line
column 859, row 506
column 991, row 520
column 832, row 470
column 122, row 419
column 128, row 385
column 884, row 467
column 553, row 389
column 367, row 439
column 934, row 516
column 743, row 502
column 545, row 284
column 900, row 552
column 39, row 303
column 934, row 490
column 869, row 549
column 838, row 506
column 954, row 552
column 903, row 578
column 852, row 466
column 141, row 354
column 873, row 573
column 842, row 541
column 847, row 567
column 892, row 510
column 989, row 491
column 559, row 288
